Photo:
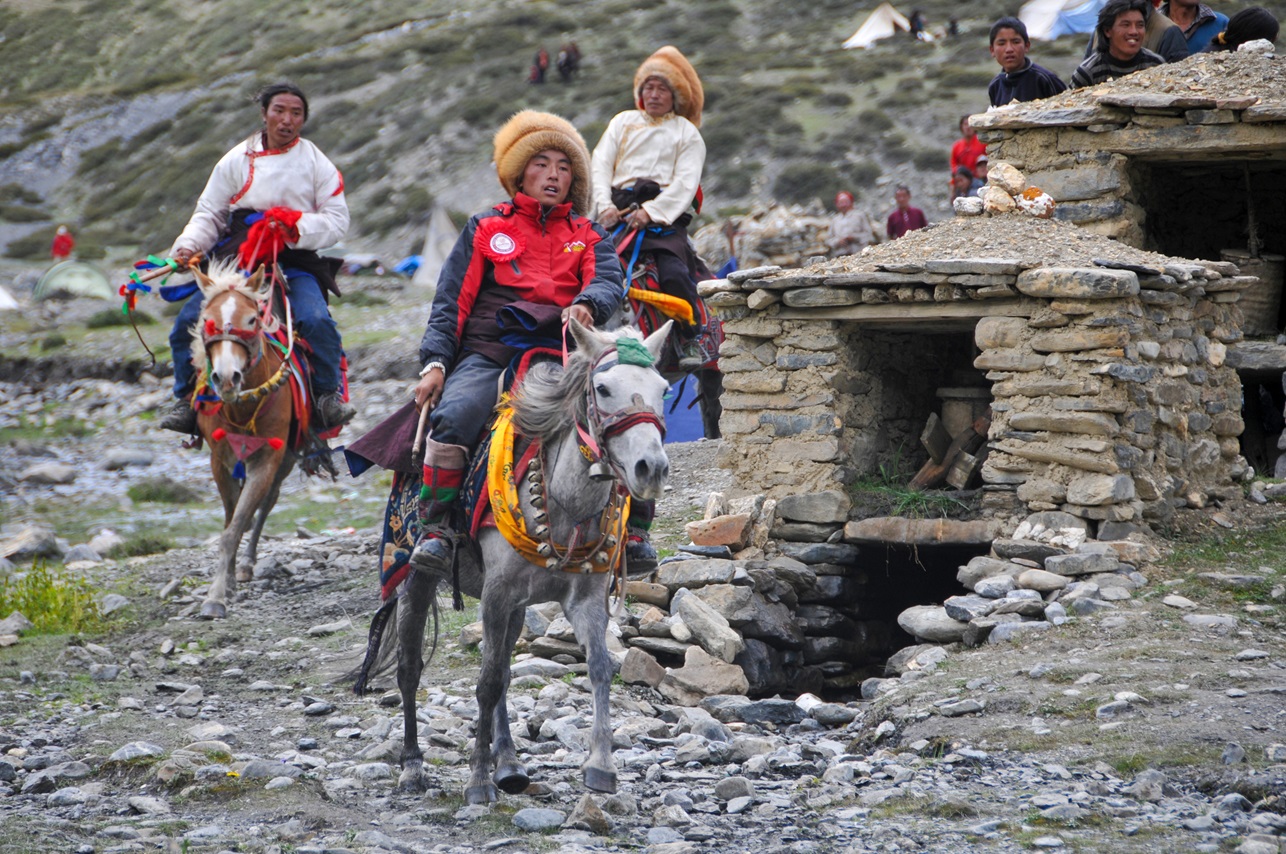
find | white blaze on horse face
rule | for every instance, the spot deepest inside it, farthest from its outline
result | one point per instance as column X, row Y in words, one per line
column 227, row 359
column 638, row 452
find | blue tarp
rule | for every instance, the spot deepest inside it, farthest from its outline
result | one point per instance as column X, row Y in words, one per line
column 683, row 424
column 408, row 265
column 1082, row 19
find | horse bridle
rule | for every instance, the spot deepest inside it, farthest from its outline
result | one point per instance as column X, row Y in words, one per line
column 598, row 428
column 211, row 334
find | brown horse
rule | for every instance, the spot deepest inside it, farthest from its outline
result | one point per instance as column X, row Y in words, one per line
column 249, row 429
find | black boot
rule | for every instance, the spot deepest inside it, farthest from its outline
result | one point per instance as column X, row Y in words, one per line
column 181, row 418
column 330, row 410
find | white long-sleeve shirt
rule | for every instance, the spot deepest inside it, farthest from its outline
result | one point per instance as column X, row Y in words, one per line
column 298, row 177
column 636, row 147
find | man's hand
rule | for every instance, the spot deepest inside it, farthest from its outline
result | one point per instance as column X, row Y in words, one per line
column 583, row 315
column 183, row 256
column 429, row 389
column 610, row 217
column 640, row 219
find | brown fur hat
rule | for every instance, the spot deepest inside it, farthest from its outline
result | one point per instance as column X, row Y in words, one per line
column 674, row 68
column 527, row 134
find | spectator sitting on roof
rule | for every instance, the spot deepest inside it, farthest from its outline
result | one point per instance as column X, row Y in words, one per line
column 904, row 217
column 1200, row 23
column 1121, row 25
column 1163, row 37
column 965, row 184
column 1019, row 79
column 966, row 150
column 1248, row 25
column 851, row 230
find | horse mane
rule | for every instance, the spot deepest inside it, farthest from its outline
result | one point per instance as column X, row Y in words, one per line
column 551, row 399
column 224, row 276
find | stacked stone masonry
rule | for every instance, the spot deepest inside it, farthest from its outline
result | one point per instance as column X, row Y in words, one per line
column 1112, row 396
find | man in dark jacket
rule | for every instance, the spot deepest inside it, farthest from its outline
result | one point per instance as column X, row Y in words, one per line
column 537, row 256
column 1019, row 79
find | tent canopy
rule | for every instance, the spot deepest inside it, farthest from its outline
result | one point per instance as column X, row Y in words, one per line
column 439, row 238
column 880, row 24
column 75, row 278
column 1049, row 19
column 7, row 302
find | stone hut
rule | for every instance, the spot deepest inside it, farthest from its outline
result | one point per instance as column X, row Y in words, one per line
column 1107, row 354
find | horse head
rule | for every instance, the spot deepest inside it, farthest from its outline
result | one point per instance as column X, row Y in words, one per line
column 235, row 313
column 624, row 399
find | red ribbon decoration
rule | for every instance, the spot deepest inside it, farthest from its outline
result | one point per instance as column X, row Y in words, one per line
column 267, row 237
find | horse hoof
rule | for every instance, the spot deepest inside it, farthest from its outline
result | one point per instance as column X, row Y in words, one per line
column 600, row 780
column 512, row 780
column 413, row 780
column 245, row 574
column 484, row 794
column 213, row 611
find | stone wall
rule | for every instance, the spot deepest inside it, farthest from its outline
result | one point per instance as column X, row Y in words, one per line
column 1093, row 159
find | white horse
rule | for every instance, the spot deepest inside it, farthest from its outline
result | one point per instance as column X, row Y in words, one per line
column 609, row 400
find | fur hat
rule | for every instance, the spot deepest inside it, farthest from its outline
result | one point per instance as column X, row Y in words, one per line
column 527, row 134
column 674, row 68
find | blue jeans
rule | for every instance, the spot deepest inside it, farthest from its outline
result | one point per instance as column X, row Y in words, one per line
column 467, row 402
column 312, row 322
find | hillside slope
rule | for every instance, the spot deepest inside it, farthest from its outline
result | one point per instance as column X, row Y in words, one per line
column 111, row 114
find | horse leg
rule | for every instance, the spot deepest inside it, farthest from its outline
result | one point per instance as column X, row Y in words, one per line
column 414, row 611
column 588, row 616
column 258, row 482
column 496, row 609
column 246, row 566
column 510, row 775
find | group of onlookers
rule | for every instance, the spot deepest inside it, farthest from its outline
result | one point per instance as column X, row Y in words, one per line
column 1130, row 35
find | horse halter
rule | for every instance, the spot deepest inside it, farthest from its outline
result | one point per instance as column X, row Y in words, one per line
column 600, row 427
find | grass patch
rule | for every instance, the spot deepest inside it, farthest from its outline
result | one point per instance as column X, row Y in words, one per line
column 362, row 299
column 55, row 600
column 52, row 341
column 141, row 544
column 43, row 429
column 163, row 491
column 110, row 317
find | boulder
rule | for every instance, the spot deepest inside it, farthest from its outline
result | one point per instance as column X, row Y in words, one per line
column 702, row 675
column 931, row 623
column 708, row 626
column 829, row 506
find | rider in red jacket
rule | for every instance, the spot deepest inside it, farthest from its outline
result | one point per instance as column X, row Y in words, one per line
column 528, row 264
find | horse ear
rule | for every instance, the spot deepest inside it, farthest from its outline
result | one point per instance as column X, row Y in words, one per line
column 586, row 341
column 656, row 340
column 257, row 285
column 204, row 282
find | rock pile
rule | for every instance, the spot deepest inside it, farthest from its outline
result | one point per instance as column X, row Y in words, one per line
column 797, row 621
column 788, row 236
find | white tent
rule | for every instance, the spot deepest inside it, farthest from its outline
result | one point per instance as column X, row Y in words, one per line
column 880, row 24
column 439, row 237
column 7, row 302
column 1049, row 19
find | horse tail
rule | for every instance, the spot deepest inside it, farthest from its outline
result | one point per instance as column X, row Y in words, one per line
column 382, row 643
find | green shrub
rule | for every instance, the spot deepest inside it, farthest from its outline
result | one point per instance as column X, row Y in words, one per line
column 16, row 193
column 21, row 213
column 55, row 600
column 802, row 181
column 110, row 317
column 34, row 246
column 964, row 78
column 864, row 172
column 734, row 182
column 161, row 490
column 875, row 120
column 834, row 99
column 362, row 298
column 52, row 341
column 141, row 544
column 929, row 159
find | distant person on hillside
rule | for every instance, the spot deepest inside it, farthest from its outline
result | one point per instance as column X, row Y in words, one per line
column 953, row 27
column 1019, row 79
column 918, row 23
column 966, row 150
column 1248, row 25
column 1121, row 26
column 904, row 217
column 63, row 244
column 568, row 61
column 980, row 171
column 851, row 230
column 1200, row 23
column 539, row 66
column 1163, row 37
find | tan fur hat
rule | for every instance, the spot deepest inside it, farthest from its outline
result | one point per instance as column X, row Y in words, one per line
column 674, row 68
column 527, row 134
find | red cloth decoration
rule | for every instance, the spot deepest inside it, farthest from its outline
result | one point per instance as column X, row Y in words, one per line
column 276, row 444
column 267, row 237
column 218, row 434
column 499, row 241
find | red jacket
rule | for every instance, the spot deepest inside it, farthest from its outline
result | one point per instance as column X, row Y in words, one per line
column 966, row 153
column 63, row 244
column 556, row 259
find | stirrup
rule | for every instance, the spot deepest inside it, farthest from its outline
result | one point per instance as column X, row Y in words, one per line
column 181, row 418
column 640, row 556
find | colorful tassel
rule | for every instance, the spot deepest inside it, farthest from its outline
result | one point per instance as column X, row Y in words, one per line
column 218, row 434
column 276, row 443
column 239, row 470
